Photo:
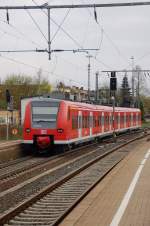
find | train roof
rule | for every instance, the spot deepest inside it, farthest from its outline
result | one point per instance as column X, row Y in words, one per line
column 87, row 106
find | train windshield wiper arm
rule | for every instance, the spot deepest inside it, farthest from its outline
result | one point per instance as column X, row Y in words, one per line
column 47, row 120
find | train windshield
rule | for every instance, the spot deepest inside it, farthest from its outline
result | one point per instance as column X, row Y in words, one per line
column 44, row 114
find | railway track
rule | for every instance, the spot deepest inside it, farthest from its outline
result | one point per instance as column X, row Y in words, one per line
column 17, row 171
column 30, row 166
column 52, row 203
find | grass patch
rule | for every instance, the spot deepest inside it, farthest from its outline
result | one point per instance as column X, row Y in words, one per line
column 145, row 124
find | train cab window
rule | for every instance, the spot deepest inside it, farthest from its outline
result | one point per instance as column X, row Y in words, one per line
column 44, row 114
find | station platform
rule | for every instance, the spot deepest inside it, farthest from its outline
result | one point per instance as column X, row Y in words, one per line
column 10, row 150
column 120, row 199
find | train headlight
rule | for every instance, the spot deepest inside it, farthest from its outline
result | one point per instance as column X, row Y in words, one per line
column 27, row 130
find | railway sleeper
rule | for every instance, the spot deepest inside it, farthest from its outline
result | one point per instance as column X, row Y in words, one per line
column 62, row 200
column 39, row 215
column 44, row 213
column 32, row 219
column 55, row 201
column 50, row 205
column 42, row 210
column 35, row 223
column 68, row 193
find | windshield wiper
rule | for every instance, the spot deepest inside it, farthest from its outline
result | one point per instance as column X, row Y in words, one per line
column 40, row 121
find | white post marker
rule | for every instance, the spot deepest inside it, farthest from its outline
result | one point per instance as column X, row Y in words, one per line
column 117, row 217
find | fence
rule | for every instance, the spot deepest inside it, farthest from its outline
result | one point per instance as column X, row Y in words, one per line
column 14, row 132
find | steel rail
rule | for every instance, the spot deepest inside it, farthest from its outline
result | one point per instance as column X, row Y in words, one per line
column 5, row 217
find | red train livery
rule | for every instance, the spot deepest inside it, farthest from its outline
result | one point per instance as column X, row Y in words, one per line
column 49, row 122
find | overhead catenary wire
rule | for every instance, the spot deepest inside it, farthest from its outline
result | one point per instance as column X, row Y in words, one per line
column 69, row 78
column 38, row 68
column 36, row 24
column 24, row 36
column 60, row 27
column 107, row 36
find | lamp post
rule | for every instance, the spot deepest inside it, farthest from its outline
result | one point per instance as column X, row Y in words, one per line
column 89, row 72
column 132, row 58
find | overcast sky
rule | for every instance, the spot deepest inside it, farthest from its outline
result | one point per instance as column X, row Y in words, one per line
column 120, row 34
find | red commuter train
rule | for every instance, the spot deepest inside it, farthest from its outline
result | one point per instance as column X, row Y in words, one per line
column 50, row 122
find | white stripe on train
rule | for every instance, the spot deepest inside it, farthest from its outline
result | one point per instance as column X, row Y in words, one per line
column 78, row 140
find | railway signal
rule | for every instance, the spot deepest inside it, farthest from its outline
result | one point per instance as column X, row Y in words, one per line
column 8, row 96
column 113, row 81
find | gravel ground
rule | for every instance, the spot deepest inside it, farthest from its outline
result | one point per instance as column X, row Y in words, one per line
column 9, row 199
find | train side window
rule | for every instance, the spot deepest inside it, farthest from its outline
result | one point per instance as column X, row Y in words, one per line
column 74, row 121
column 80, row 121
column 122, row 119
column 88, row 121
column 98, row 121
column 102, row 120
column 83, row 121
column 68, row 113
column 95, row 121
column 127, row 118
column 116, row 119
column 91, row 121
column 111, row 119
column 130, row 117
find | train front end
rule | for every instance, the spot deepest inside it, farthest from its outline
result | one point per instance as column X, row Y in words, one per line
column 40, row 124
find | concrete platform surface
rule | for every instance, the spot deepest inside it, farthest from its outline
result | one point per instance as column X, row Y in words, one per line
column 122, row 198
column 10, row 150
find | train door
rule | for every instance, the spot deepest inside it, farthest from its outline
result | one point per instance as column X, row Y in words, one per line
column 110, row 122
column 102, row 122
column 116, row 120
column 91, row 123
column 119, row 121
column 80, row 124
column 132, row 120
column 136, row 119
column 106, row 122
column 125, row 123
